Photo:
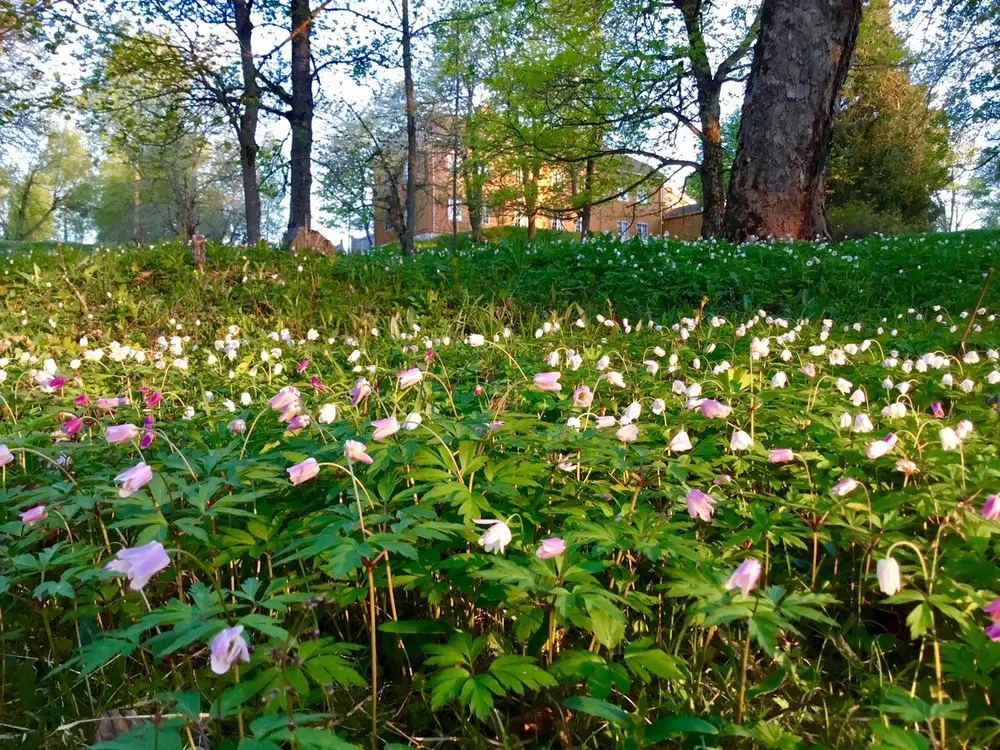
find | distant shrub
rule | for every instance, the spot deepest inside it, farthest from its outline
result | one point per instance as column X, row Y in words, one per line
column 854, row 220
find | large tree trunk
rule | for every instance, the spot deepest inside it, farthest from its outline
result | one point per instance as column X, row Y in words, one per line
column 407, row 240
column 300, row 118
column 800, row 62
column 247, row 127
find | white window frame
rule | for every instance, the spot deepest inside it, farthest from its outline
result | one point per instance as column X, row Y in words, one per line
column 622, row 229
column 522, row 221
column 642, row 230
column 484, row 215
column 643, row 197
column 556, row 223
column 454, row 209
column 579, row 224
column 623, row 197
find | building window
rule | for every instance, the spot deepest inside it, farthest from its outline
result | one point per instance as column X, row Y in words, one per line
column 454, row 210
column 484, row 215
column 522, row 221
column 642, row 196
column 642, row 230
column 406, row 171
column 579, row 224
column 557, row 224
column 622, row 229
column 454, row 162
column 623, row 197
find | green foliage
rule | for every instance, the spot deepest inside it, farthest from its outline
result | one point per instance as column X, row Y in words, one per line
column 374, row 577
column 890, row 149
column 51, row 198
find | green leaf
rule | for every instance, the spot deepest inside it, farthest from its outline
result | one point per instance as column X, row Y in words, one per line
column 477, row 694
column 413, row 627
column 237, row 696
column 330, row 669
column 264, row 624
column 919, row 620
column 608, row 629
column 897, row 738
column 595, row 707
column 161, row 735
column 655, row 661
column 249, row 743
column 672, row 725
column 519, row 673
column 446, row 685
column 764, row 630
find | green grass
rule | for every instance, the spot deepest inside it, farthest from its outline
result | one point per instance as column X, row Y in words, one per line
column 520, row 282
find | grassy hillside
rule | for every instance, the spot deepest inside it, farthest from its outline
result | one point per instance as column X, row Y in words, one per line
column 506, row 497
column 511, row 279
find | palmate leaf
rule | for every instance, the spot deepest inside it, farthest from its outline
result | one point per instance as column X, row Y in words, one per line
column 764, row 630
column 183, row 635
column 447, row 685
column 654, row 661
column 329, row 669
column 606, row 627
column 505, row 674
column 919, row 620
column 806, row 605
column 461, row 649
column 477, row 694
column 520, row 673
column 264, row 624
column 912, row 709
column 574, row 667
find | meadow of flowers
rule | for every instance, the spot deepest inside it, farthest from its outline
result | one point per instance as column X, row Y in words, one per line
column 601, row 495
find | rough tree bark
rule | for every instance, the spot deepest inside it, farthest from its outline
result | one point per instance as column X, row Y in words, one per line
column 713, row 165
column 300, row 118
column 800, row 62
column 406, row 240
column 246, row 129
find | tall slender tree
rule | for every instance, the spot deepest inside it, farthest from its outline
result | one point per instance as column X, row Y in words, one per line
column 300, row 118
column 709, row 82
column 247, row 116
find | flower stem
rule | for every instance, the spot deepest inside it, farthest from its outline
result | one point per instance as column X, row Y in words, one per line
column 743, row 677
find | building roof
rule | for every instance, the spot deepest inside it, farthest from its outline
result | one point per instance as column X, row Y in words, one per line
column 689, row 210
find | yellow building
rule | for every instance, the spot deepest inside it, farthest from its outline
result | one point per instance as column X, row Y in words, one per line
column 649, row 210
